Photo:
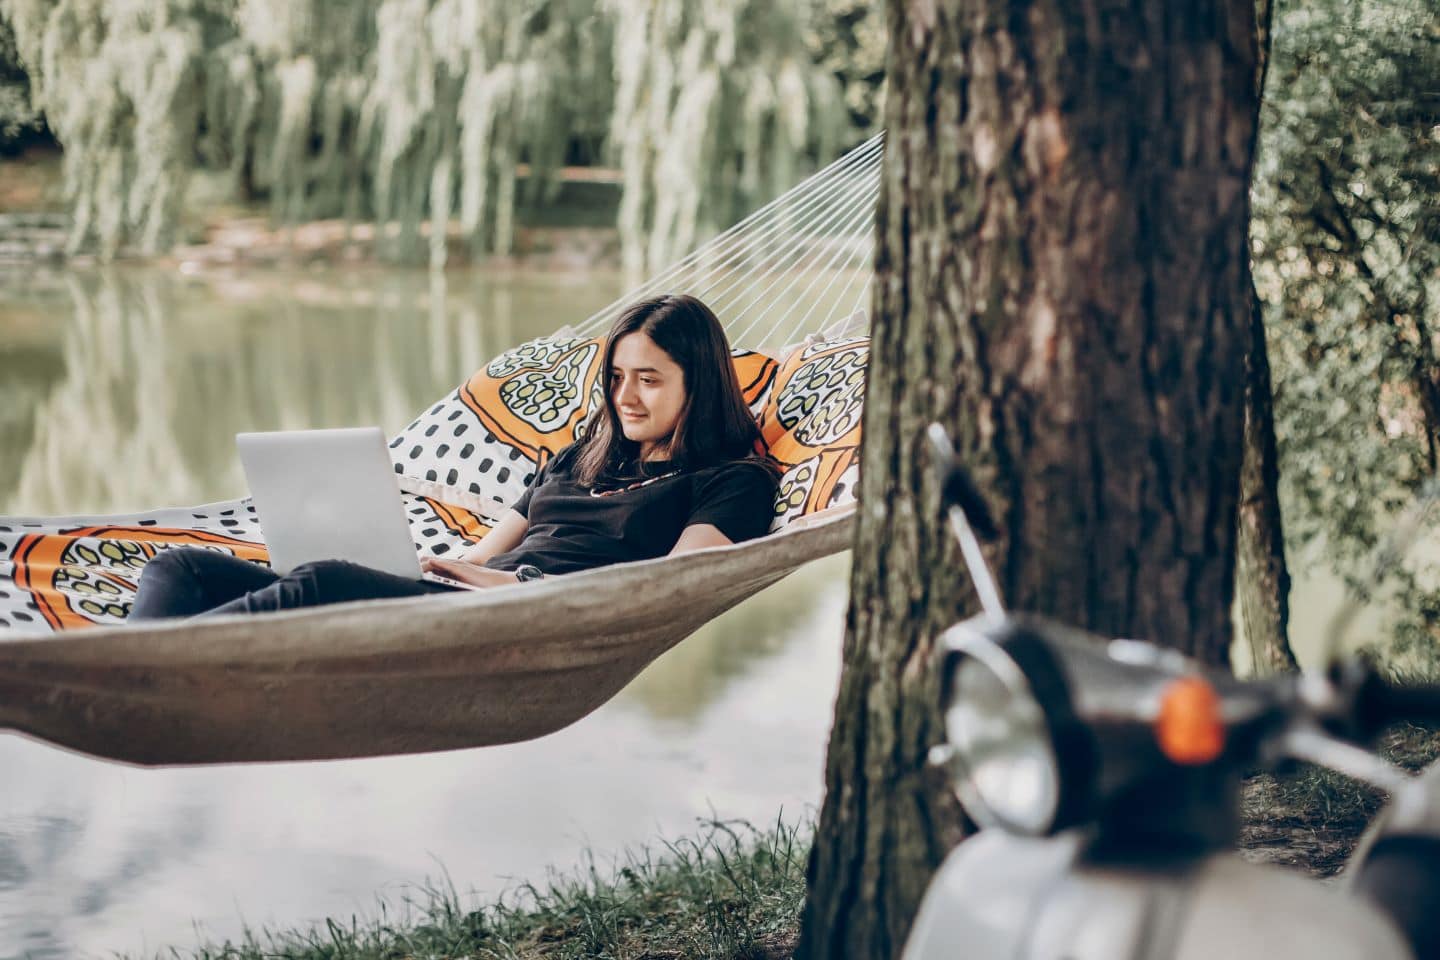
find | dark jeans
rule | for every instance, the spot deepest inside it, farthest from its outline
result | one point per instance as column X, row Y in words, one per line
column 187, row 581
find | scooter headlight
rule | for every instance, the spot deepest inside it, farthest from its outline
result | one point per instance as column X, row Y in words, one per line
column 1007, row 774
column 1005, row 758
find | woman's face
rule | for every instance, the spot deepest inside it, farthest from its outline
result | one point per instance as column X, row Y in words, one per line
column 648, row 388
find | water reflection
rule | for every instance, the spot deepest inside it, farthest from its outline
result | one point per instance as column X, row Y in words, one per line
column 130, row 395
column 700, row 671
column 96, row 857
column 124, row 389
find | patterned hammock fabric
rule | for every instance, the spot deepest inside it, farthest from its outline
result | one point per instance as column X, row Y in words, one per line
column 406, row 676
column 460, row 463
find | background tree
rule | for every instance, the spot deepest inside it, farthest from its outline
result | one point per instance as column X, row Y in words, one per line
column 847, row 37
column 413, row 111
column 1262, row 573
column 1062, row 280
column 1347, row 261
column 19, row 120
column 718, row 107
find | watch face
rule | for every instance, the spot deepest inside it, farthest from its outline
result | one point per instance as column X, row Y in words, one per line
column 526, row 572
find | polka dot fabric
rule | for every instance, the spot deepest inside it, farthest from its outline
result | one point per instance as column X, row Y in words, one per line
column 810, row 422
column 494, row 431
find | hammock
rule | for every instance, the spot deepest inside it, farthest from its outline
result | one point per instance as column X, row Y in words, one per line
column 477, row 668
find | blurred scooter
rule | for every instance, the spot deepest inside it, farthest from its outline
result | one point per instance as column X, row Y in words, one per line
column 1105, row 776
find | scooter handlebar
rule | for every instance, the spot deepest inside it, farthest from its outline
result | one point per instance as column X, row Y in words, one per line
column 1382, row 703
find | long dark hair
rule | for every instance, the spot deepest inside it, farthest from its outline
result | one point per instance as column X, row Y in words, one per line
column 715, row 424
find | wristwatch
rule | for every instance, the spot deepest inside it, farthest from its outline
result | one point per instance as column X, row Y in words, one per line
column 527, row 572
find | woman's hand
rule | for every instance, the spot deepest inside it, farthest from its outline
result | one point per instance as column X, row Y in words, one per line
column 465, row 572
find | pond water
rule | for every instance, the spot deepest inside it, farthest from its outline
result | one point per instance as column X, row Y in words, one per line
column 124, row 389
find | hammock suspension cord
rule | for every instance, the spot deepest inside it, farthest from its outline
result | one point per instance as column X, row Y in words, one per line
column 856, row 219
column 808, row 248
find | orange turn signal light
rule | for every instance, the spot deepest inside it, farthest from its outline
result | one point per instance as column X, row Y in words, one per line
column 1188, row 727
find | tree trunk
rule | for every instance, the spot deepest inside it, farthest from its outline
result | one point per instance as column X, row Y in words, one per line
column 1062, row 279
column 1264, row 17
column 1262, row 576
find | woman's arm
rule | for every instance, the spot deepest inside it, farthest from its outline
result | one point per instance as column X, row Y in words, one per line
column 731, row 504
column 503, row 537
column 468, row 566
column 698, row 536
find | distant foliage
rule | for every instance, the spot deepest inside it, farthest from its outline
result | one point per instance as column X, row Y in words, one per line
column 411, row 112
column 404, row 111
column 718, row 107
column 119, row 82
column 847, row 37
column 17, row 115
column 1347, row 259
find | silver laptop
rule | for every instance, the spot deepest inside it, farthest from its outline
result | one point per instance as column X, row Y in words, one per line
column 329, row 495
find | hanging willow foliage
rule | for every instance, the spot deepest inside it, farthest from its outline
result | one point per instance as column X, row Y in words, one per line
column 118, row 82
column 415, row 112
column 717, row 106
column 405, row 111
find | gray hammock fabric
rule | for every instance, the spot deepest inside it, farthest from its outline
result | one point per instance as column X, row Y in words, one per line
column 385, row 677
column 485, row 667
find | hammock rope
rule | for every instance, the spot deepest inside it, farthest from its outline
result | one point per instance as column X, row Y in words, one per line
column 851, row 219
column 794, row 231
column 833, row 207
column 854, row 215
column 494, row 666
column 840, row 262
column 788, row 223
column 839, row 328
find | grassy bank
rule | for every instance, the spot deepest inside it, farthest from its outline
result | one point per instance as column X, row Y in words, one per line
column 732, row 892
column 735, row 892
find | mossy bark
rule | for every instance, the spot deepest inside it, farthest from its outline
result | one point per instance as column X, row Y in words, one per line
column 1063, row 281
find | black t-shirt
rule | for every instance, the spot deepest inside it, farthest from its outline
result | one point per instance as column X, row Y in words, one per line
column 636, row 516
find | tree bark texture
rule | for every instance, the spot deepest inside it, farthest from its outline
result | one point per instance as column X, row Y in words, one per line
column 1262, row 578
column 1264, row 18
column 1062, row 280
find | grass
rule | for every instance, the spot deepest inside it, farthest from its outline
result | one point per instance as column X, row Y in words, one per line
column 735, row 892
column 1312, row 817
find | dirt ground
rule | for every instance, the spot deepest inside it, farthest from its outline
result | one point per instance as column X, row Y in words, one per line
column 1279, row 833
column 1311, row 819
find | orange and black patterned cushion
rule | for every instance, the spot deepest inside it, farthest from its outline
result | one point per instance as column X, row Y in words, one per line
column 490, row 435
column 811, row 425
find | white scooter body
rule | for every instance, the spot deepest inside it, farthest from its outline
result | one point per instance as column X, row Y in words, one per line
column 1003, row 897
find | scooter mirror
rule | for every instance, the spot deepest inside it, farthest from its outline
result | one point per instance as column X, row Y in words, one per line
column 963, row 503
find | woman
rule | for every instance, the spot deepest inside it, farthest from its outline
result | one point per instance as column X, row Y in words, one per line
column 668, row 466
